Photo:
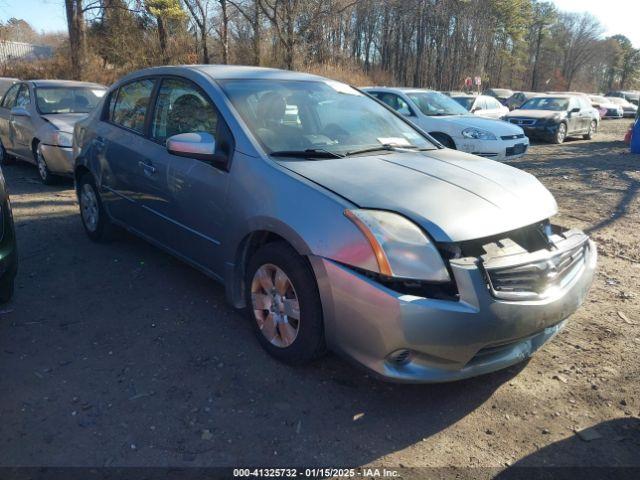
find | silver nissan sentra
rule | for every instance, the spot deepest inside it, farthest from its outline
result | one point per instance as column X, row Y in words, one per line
column 331, row 220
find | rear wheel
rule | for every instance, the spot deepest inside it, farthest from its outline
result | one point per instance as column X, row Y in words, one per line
column 284, row 304
column 96, row 223
column 561, row 133
column 45, row 175
column 593, row 128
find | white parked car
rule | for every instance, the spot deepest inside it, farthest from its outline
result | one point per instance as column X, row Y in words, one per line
column 453, row 126
column 482, row 105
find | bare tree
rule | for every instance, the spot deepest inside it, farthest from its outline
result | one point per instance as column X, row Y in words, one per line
column 199, row 10
column 77, row 37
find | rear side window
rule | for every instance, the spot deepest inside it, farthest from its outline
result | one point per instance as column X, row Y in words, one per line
column 9, row 99
column 395, row 102
column 182, row 108
column 131, row 105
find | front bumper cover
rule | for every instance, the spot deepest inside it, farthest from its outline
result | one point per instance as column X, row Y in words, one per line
column 447, row 340
column 59, row 160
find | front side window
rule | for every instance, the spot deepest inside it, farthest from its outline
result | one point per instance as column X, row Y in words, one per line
column 24, row 99
column 396, row 102
column 298, row 115
column 131, row 104
column 182, row 108
column 54, row 100
column 435, row 104
column 9, row 99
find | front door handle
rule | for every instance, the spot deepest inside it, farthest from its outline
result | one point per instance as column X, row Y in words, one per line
column 148, row 167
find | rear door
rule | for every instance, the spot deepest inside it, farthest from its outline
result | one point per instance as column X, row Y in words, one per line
column 8, row 102
column 121, row 146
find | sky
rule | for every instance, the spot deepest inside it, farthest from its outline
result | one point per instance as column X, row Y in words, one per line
column 617, row 16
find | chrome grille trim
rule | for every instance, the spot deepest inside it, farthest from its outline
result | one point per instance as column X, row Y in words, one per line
column 523, row 121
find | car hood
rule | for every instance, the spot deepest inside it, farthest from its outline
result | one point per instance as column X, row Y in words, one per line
column 533, row 113
column 453, row 195
column 497, row 127
column 64, row 121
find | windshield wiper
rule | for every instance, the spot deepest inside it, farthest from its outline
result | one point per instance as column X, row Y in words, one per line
column 308, row 153
column 384, row 146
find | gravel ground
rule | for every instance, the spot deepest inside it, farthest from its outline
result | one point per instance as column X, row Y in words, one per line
column 119, row 355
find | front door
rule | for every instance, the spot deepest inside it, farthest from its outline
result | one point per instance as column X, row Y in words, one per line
column 194, row 191
column 21, row 126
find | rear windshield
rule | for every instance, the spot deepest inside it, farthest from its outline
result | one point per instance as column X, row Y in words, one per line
column 466, row 102
column 67, row 99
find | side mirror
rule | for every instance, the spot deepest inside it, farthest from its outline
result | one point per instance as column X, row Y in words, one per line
column 476, row 109
column 20, row 112
column 575, row 110
column 201, row 146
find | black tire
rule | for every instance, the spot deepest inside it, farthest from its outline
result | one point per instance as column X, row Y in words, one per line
column 45, row 174
column 444, row 139
column 561, row 133
column 6, row 290
column 309, row 342
column 100, row 230
column 593, row 128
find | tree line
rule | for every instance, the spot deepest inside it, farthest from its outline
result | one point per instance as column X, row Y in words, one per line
column 521, row 44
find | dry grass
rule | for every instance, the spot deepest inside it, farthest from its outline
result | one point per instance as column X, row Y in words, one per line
column 59, row 67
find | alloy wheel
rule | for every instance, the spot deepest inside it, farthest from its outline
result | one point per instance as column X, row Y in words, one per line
column 562, row 132
column 89, row 207
column 275, row 305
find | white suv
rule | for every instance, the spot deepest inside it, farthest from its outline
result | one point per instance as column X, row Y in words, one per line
column 453, row 126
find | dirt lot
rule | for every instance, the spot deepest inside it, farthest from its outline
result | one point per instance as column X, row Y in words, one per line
column 119, row 355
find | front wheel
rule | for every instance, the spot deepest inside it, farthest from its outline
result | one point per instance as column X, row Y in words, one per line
column 561, row 133
column 593, row 128
column 95, row 221
column 284, row 304
column 45, row 174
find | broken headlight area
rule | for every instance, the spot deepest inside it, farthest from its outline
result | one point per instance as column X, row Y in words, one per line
column 415, row 288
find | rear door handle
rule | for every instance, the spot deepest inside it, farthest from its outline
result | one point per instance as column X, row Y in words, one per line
column 148, row 167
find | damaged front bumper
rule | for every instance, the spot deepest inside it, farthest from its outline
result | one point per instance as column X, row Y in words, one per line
column 494, row 323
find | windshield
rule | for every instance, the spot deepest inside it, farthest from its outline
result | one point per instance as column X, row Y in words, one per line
column 436, row 104
column 327, row 116
column 466, row 102
column 546, row 103
column 67, row 99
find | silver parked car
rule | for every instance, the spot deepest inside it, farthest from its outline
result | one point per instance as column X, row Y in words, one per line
column 37, row 119
column 332, row 220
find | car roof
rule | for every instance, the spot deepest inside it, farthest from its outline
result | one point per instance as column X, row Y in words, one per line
column 227, row 72
column 397, row 89
column 64, row 83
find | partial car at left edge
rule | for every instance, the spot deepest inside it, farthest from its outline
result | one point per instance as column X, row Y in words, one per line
column 37, row 119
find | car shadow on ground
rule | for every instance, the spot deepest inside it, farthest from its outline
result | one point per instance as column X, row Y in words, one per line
column 608, row 450
column 119, row 354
